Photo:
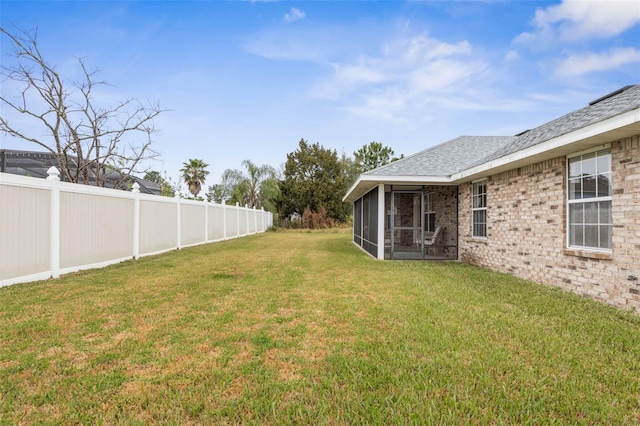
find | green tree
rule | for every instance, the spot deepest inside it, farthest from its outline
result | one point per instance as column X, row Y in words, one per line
column 154, row 176
column 373, row 156
column 166, row 189
column 217, row 193
column 350, row 168
column 270, row 193
column 251, row 188
column 314, row 178
column 194, row 174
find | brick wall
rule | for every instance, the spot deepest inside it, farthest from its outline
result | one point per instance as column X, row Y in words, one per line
column 625, row 161
column 526, row 229
column 445, row 206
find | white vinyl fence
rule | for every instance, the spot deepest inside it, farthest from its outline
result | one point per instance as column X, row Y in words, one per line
column 48, row 227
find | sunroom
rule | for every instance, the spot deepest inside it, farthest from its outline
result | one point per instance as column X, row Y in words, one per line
column 415, row 222
column 409, row 209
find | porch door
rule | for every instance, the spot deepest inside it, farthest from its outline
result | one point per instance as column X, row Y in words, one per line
column 407, row 224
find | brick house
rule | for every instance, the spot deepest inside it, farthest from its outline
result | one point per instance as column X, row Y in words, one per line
column 558, row 204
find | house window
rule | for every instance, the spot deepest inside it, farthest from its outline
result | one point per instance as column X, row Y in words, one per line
column 479, row 209
column 589, row 200
column 429, row 214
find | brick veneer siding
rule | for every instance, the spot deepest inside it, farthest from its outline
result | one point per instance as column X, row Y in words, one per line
column 526, row 229
column 445, row 205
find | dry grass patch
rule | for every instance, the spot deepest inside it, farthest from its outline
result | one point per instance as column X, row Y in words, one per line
column 303, row 328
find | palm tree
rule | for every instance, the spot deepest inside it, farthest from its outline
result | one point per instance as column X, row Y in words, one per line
column 248, row 188
column 194, row 175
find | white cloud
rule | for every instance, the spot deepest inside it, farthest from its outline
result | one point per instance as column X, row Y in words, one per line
column 402, row 78
column 443, row 74
column 358, row 74
column 511, row 56
column 574, row 20
column 320, row 44
column 422, row 48
column 294, row 14
column 420, row 63
column 577, row 65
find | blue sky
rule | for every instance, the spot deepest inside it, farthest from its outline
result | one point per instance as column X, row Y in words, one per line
column 248, row 80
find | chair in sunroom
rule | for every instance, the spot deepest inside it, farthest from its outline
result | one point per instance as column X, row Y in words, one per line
column 431, row 240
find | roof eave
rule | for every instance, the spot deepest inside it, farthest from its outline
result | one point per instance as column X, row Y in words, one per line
column 366, row 183
column 606, row 131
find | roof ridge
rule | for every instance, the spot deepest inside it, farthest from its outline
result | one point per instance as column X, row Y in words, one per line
column 412, row 155
column 603, row 108
column 445, row 158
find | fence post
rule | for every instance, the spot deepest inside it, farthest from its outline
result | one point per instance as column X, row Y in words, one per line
column 179, row 230
column 136, row 220
column 54, row 178
column 262, row 228
column 255, row 220
column 246, row 215
column 224, row 220
column 206, row 221
column 238, row 220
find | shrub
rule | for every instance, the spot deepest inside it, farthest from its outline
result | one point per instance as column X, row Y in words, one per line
column 317, row 220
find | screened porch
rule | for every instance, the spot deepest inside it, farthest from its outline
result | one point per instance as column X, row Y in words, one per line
column 420, row 222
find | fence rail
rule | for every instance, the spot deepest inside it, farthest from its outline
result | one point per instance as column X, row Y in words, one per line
column 49, row 228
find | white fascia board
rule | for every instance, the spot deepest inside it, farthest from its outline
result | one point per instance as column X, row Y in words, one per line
column 353, row 187
column 367, row 182
column 407, row 179
column 613, row 123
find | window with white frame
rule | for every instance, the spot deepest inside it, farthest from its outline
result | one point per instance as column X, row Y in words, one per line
column 589, row 221
column 479, row 209
column 429, row 214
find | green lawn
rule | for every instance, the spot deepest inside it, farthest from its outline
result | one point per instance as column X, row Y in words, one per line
column 303, row 328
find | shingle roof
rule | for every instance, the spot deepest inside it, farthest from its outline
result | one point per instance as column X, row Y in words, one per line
column 465, row 152
column 444, row 159
column 36, row 164
column 599, row 110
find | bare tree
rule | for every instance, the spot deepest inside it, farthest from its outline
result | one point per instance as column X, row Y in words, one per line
column 89, row 140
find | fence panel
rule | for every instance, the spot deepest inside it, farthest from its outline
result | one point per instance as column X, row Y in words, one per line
column 48, row 227
column 267, row 221
column 94, row 229
column 260, row 221
column 242, row 222
column 156, row 233
column 217, row 228
column 192, row 223
column 231, row 213
column 24, row 231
